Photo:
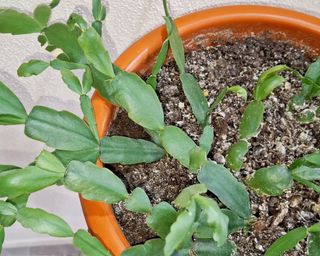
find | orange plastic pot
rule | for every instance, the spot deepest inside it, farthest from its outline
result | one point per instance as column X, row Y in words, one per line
column 229, row 21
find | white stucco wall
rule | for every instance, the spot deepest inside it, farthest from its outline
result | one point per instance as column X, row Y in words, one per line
column 127, row 20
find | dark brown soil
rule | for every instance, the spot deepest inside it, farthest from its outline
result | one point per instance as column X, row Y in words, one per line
column 281, row 140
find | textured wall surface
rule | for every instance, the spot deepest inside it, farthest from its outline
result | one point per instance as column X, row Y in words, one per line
column 127, row 20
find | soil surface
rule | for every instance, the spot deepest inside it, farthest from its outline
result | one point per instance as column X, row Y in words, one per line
column 281, row 139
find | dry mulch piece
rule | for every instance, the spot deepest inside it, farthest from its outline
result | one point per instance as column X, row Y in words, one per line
column 281, row 139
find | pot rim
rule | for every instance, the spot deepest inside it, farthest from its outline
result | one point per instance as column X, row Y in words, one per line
column 99, row 216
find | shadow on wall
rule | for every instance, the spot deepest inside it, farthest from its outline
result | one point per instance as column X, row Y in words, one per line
column 25, row 96
column 13, row 83
column 19, row 157
column 56, row 250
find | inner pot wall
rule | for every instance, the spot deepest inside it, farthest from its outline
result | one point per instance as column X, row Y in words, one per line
column 238, row 21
